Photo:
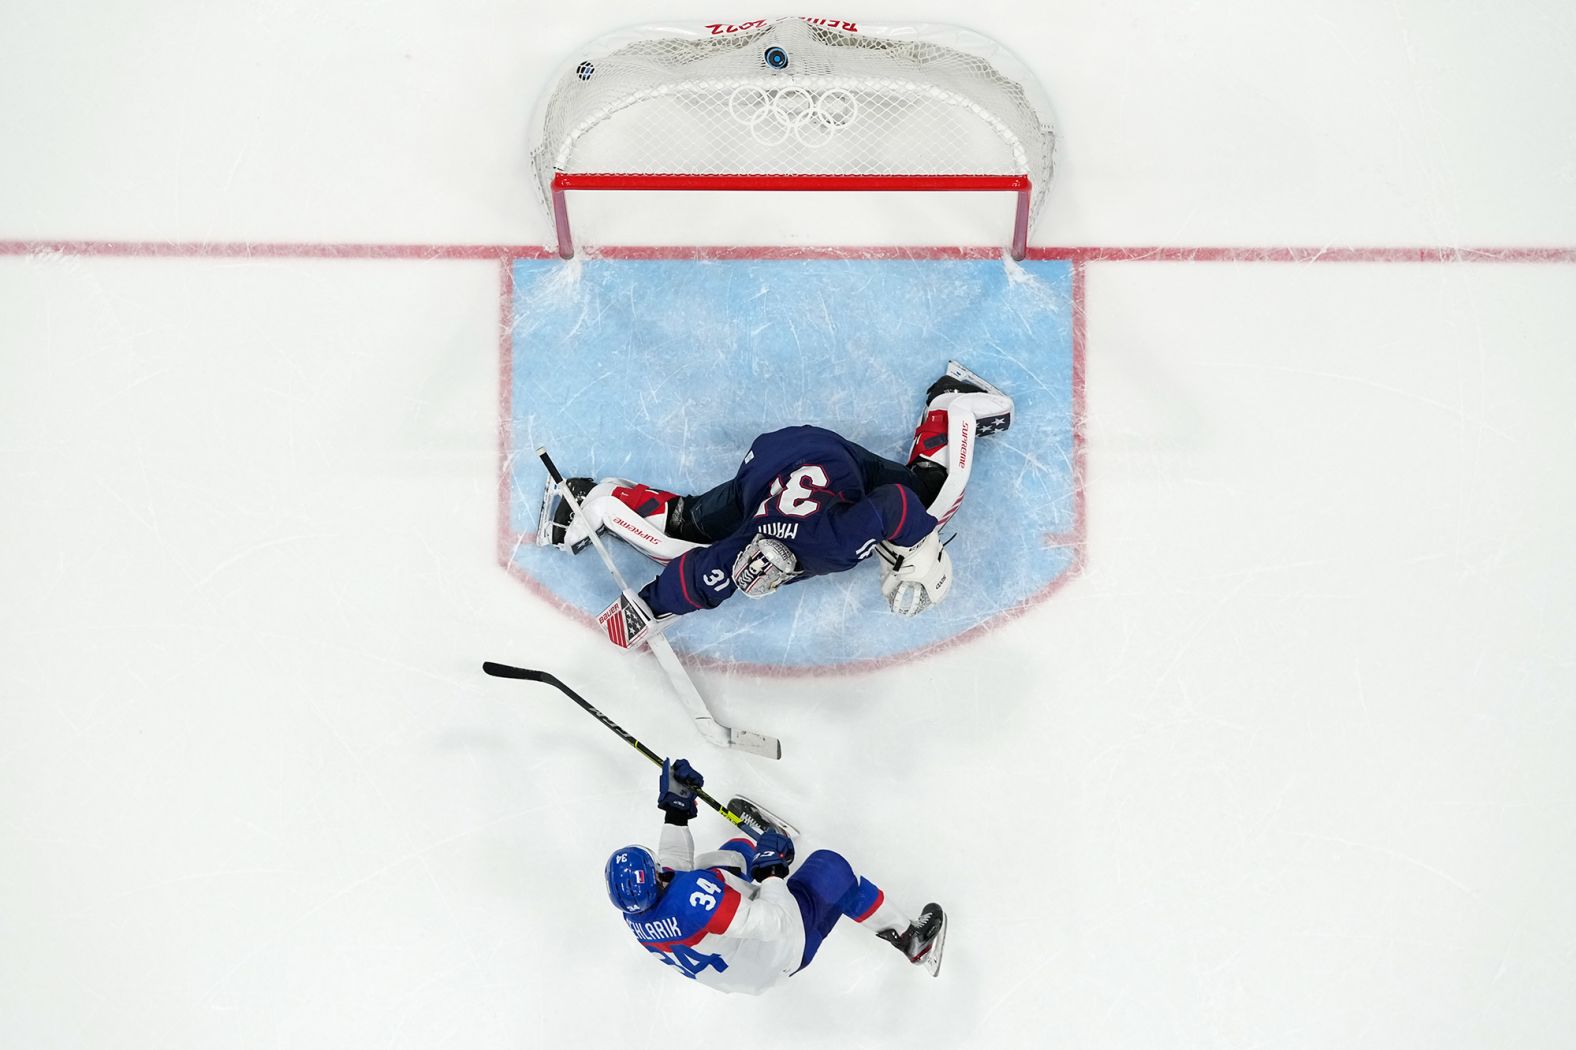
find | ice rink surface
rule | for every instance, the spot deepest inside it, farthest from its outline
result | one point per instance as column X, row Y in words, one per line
column 1285, row 765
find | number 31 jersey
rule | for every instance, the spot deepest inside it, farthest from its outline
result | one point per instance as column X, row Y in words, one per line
column 722, row 931
column 806, row 487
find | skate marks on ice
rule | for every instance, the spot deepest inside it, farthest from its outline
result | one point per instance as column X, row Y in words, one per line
column 663, row 371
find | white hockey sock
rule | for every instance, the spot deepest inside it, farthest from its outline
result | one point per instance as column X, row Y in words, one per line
column 723, row 858
column 887, row 916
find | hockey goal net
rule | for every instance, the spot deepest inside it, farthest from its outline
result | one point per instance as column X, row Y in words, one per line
column 795, row 104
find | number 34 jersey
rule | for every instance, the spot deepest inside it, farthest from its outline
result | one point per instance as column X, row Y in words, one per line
column 818, row 493
column 722, row 931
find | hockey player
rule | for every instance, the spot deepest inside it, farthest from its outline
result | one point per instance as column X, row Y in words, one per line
column 804, row 502
column 735, row 919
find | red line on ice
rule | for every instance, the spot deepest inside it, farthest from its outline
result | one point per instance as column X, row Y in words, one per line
column 505, row 255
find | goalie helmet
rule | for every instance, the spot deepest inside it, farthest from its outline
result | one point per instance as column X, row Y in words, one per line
column 632, row 883
column 763, row 566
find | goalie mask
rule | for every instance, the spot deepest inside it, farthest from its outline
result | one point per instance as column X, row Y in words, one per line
column 763, row 566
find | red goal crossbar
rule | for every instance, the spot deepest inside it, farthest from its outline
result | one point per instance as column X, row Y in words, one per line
column 565, row 181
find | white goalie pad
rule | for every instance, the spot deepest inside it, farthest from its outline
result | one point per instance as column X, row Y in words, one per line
column 601, row 510
column 969, row 415
column 915, row 578
column 646, row 535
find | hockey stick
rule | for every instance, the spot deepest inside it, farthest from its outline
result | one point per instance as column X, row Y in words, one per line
column 714, row 731
column 526, row 674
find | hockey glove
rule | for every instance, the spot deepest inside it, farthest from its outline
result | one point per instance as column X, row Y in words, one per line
column 773, row 854
column 915, row 578
column 680, row 781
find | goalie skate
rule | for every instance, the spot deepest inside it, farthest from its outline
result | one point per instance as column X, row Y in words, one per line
column 558, row 513
column 758, row 820
column 923, row 941
column 961, row 379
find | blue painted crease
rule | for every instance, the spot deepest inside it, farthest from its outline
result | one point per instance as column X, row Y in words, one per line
column 663, row 372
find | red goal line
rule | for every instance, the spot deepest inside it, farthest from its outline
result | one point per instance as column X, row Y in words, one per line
column 506, row 252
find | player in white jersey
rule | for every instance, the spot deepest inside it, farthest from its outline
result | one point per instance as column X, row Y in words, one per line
column 734, row 918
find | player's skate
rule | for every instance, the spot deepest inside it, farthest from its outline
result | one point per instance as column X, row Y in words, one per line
column 555, row 524
column 923, row 941
column 992, row 414
column 758, row 820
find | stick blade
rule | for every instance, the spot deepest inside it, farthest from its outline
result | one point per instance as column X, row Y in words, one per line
column 751, row 743
column 505, row 671
column 755, row 743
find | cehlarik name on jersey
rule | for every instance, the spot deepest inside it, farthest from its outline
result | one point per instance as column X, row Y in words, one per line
column 724, row 28
column 657, row 930
column 781, row 530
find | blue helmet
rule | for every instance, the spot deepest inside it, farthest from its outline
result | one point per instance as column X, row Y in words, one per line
column 632, row 883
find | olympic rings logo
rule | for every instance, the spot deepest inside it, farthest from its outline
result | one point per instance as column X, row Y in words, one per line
column 774, row 114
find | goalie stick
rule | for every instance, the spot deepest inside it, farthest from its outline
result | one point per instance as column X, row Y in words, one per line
column 739, row 811
column 634, row 615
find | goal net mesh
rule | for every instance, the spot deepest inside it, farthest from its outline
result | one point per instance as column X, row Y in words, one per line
column 795, row 96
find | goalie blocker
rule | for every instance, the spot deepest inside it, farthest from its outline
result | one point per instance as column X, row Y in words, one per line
column 628, row 623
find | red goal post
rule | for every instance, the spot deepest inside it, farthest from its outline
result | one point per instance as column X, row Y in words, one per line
column 795, row 104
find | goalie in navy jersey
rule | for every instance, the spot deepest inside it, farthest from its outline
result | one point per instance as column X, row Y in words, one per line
column 805, row 502
column 734, row 919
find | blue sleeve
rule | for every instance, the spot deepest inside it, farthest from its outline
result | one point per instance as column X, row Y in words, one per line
column 698, row 579
column 903, row 514
column 847, row 533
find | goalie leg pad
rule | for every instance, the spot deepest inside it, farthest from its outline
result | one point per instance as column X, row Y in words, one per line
column 960, row 407
column 958, row 391
column 636, row 514
column 640, row 516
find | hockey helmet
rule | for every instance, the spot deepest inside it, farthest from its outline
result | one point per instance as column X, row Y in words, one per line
column 632, row 883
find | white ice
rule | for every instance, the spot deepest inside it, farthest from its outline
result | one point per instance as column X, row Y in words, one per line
column 1288, row 766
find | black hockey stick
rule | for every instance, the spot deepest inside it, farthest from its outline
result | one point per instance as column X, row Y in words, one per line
column 528, row 675
column 705, row 722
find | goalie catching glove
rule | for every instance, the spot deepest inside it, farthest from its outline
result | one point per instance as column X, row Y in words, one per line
column 915, row 578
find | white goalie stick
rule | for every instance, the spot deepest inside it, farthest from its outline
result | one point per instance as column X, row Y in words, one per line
column 695, row 704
